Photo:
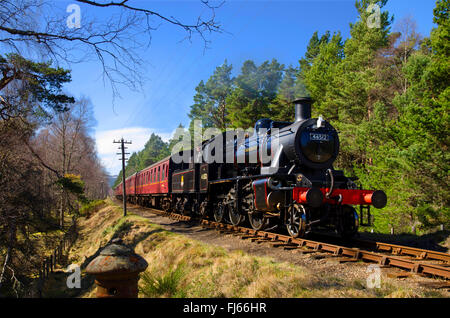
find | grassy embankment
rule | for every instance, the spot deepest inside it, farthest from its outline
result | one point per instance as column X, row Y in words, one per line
column 182, row 267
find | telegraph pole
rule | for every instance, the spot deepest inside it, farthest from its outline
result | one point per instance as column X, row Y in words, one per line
column 123, row 153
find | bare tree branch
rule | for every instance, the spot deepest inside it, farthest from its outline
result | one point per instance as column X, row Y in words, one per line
column 115, row 43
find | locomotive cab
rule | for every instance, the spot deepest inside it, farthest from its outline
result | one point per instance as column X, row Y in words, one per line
column 262, row 126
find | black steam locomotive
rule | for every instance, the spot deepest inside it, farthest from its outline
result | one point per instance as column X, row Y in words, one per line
column 280, row 175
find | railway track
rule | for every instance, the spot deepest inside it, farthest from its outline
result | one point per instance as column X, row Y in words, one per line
column 413, row 260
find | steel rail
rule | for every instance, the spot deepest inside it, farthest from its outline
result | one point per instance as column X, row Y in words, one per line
column 413, row 265
column 406, row 250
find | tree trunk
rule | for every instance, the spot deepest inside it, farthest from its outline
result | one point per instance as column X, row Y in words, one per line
column 61, row 210
column 12, row 235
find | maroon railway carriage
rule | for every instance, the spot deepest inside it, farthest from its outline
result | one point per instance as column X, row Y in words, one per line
column 130, row 187
column 150, row 186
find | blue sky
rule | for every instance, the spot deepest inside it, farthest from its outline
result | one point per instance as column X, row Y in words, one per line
column 257, row 30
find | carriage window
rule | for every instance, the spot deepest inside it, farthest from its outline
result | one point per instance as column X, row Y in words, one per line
column 163, row 174
column 159, row 172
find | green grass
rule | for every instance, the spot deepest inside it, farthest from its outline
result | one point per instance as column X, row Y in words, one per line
column 122, row 226
column 163, row 285
column 179, row 266
column 93, row 206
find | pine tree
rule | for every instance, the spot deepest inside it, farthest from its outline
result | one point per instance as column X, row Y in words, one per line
column 210, row 99
column 320, row 76
column 31, row 88
column 256, row 88
column 312, row 50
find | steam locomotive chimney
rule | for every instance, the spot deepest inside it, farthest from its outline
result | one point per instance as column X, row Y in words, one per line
column 302, row 108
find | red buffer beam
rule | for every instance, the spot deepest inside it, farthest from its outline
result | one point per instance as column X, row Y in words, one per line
column 318, row 196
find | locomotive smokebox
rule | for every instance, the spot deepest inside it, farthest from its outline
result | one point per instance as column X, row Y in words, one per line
column 302, row 108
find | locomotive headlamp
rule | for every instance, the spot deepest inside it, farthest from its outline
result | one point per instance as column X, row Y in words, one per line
column 319, row 121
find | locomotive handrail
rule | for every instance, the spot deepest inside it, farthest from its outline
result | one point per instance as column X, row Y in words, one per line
column 292, row 168
column 328, row 193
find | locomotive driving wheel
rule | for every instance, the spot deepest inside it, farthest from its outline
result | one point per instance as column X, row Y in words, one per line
column 219, row 212
column 257, row 220
column 296, row 220
column 236, row 218
column 203, row 209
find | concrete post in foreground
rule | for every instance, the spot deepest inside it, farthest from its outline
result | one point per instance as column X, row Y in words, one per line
column 116, row 271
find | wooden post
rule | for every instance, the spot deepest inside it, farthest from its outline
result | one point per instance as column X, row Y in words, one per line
column 44, row 270
column 40, row 283
column 124, row 194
